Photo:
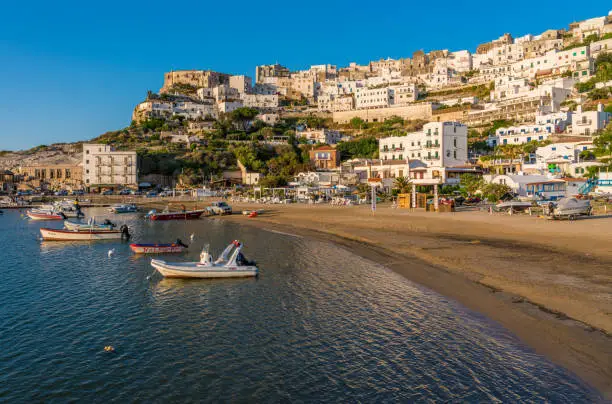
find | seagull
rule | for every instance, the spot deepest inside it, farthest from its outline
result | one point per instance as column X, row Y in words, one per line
column 111, row 252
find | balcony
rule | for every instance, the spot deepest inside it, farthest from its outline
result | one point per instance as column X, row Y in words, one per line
column 584, row 122
column 432, row 145
column 431, row 158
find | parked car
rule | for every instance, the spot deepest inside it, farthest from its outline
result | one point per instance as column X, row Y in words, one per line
column 108, row 192
column 78, row 192
column 165, row 193
column 151, row 194
column 62, row 192
column 137, row 193
column 221, row 208
column 125, row 192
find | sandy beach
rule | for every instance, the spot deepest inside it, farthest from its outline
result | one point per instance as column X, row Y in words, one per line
column 549, row 282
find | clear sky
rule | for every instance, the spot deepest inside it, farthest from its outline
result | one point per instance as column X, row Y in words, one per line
column 71, row 71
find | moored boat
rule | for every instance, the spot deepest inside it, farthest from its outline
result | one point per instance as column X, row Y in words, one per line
column 182, row 214
column 38, row 214
column 123, row 208
column 84, row 235
column 236, row 266
column 175, row 247
column 90, row 225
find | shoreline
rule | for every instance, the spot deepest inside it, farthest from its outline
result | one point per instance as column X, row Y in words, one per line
column 580, row 346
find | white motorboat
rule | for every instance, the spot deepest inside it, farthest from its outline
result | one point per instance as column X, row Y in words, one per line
column 236, row 266
column 123, row 208
column 90, row 225
column 569, row 208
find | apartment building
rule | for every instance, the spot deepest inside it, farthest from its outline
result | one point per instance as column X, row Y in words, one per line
column 439, row 143
column 335, row 103
column 590, row 122
column 105, row 167
column 554, row 62
column 261, row 101
column 403, row 94
column 521, row 134
column 366, row 98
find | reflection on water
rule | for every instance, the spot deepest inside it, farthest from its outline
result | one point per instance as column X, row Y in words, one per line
column 318, row 324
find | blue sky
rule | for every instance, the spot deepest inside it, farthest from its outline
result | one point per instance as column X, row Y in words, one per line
column 70, row 71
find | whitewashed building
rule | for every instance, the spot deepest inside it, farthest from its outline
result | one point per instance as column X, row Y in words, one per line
column 590, row 122
column 104, row 166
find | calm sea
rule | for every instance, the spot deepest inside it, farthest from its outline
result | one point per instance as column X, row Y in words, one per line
column 319, row 324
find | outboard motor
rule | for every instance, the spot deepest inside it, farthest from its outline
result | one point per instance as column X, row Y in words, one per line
column 63, row 215
column 109, row 223
column 125, row 233
column 180, row 242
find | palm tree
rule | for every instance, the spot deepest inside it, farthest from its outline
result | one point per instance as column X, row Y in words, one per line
column 402, row 184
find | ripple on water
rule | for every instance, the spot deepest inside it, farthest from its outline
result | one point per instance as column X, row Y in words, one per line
column 319, row 324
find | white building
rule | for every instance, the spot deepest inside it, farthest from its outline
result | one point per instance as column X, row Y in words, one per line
column 403, row 94
column 460, row 61
column 590, row 122
column 366, row 98
column 553, row 62
column 270, row 119
column 228, row 106
column 324, row 136
column 521, row 134
column 103, row 166
column 260, row 100
column 557, row 158
column 439, row 144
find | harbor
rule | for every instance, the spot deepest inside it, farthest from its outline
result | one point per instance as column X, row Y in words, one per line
column 317, row 318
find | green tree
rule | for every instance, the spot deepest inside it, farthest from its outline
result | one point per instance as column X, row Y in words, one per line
column 358, row 123
column 364, row 147
column 242, row 117
column 471, row 183
column 493, row 192
column 402, row 184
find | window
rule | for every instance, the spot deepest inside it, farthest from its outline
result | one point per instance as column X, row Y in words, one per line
column 86, row 161
column 455, row 142
column 455, row 154
column 86, row 151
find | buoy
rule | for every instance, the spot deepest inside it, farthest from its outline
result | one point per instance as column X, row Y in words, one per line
column 111, row 252
column 109, row 348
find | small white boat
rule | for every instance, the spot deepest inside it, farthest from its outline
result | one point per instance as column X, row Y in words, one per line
column 84, row 235
column 40, row 214
column 123, row 208
column 569, row 208
column 234, row 267
column 90, row 225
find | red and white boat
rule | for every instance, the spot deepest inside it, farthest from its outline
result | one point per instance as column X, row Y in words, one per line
column 182, row 214
column 83, row 235
column 177, row 247
column 36, row 214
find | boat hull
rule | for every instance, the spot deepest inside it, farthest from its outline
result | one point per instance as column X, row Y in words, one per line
column 192, row 270
column 44, row 216
column 156, row 248
column 177, row 215
column 70, row 235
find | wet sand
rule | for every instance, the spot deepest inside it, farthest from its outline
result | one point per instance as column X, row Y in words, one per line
column 549, row 282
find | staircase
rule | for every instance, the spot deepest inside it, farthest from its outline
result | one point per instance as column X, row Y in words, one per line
column 587, row 187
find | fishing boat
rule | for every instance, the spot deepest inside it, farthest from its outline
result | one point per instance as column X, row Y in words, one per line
column 90, row 225
column 236, row 266
column 176, row 247
column 40, row 214
column 168, row 214
column 123, row 208
column 84, row 235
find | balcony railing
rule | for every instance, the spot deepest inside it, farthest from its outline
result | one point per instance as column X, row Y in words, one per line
column 432, row 145
column 584, row 122
column 431, row 158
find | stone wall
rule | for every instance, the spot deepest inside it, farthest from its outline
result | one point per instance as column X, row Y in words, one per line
column 415, row 111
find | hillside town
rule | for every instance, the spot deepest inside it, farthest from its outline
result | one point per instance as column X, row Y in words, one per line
column 526, row 115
